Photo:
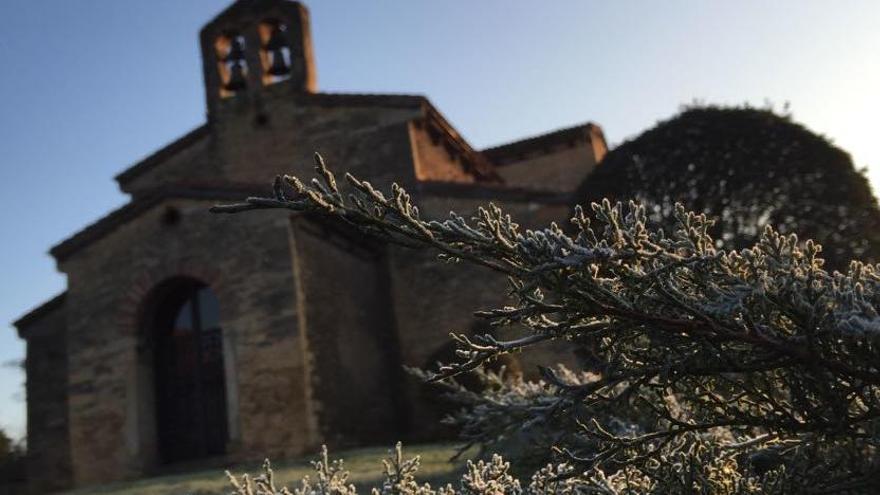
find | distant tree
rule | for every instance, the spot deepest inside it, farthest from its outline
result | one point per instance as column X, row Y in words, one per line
column 12, row 470
column 6, row 445
column 746, row 168
column 719, row 372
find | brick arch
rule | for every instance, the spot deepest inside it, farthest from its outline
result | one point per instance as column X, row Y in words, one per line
column 143, row 283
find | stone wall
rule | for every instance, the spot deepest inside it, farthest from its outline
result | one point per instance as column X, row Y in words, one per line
column 315, row 323
column 369, row 141
column 353, row 343
column 433, row 161
column 561, row 170
column 48, row 454
column 251, row 145
column 247, row 262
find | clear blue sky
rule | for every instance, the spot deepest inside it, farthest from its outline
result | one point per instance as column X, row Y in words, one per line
column 90, row 86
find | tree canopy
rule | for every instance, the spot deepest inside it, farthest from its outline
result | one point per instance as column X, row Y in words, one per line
column 746, row 168
column 11, row 461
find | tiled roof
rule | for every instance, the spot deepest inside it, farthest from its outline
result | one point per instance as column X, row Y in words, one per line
column 538, row 145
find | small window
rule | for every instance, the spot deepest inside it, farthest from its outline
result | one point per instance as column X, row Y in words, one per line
column 170, row 217
column 183, row 322
column 209, row 309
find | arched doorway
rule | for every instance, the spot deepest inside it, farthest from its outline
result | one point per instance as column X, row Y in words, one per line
column 189, row 375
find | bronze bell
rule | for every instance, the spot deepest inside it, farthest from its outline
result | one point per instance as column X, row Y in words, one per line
column 277, row 39
column 236, row 51
column 236, row 80
column 279, row 65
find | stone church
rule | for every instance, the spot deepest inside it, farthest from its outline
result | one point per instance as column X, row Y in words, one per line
column 185, row 337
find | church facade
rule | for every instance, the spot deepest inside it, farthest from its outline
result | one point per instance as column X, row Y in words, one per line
column 184, row 336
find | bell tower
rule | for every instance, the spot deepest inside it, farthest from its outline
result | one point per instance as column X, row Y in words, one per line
column 255, row 49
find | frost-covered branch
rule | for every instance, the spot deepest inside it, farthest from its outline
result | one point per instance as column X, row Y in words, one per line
column 759, row 357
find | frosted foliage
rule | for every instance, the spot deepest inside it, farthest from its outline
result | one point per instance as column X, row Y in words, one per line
column 493, row 478
column 330, row 479
column 704, row 370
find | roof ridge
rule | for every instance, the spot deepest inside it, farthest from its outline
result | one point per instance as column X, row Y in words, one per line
column 138, row 204
column 161, row 154
column 38, row 311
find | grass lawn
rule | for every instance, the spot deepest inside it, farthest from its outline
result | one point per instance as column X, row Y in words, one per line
column 364, row 464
